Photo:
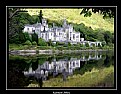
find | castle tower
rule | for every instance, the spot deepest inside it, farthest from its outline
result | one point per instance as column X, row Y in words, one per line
column 64, row 23
column 53, row 25
column 44, row 22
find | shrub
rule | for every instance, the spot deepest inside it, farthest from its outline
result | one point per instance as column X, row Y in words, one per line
column 65, row 45
column 81, row 45
column 27, row 43
column 49, row 42
column 57, row 43
column 60, row 48
column 103, row 43
column 61, row 43
column 34, row 43
column 27, row 36
column 69, row 44
column 87, row 44
column 42, row 42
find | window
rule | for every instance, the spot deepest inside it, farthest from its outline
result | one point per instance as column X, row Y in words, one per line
column 73, row 36
column 77, row 36
column 70, row 35
column 54, row 34
column 28, row 29
column 42, row 35
column 46, row 35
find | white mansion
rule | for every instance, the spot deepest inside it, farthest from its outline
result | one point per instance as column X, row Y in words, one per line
column 66, row 33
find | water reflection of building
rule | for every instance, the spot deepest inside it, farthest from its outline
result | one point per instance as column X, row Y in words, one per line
column 59, row 67
column 91, row 57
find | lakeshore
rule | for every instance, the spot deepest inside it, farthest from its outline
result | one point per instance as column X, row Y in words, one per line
column 32, row 52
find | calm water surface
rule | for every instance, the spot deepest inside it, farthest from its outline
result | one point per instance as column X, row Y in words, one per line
column 22, row 70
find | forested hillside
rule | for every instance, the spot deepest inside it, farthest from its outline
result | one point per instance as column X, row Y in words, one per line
column 93, row 28
column 73, row 15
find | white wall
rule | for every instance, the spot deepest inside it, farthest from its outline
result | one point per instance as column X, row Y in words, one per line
column 51, row 35
column 30, row 29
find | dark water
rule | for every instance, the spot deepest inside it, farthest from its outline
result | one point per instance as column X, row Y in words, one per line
column 22, row 70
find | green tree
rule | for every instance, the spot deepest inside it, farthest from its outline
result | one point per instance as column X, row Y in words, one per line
column 49, row 42
column 107, row 12
column 35, row 18
column 57, row 43
column 28, row 36
column 87, row 44
column 27, row 43
column 22, row 38
column 40, row 16
column 35, row 37
column 34, row 43
column 103, row 43
column 17, row 20
column 108, row 37
column 100, row 36
column 69, row 44
column 112, row 37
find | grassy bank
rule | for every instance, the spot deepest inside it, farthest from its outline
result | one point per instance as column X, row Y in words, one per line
column 89, row 79
column 33, row 47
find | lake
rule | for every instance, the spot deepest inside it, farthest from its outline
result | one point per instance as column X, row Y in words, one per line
column 85, row 69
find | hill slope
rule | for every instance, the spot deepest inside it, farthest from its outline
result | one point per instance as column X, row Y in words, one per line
column 73, row 15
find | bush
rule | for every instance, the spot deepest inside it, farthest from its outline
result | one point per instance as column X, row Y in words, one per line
column 60, row 48
column 49, row 42
column 103, row 43
column 65, row 45
column 81, row 45
column 61, row 43
column 34, row 43
column 42, row 42
column 27, row 36
column 69, row 44
column 35, row 37
column 87, row 44
column 27, row 43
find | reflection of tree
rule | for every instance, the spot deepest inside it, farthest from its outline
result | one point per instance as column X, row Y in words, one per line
column 40, row 82
column 50, row 59
column 16, row 78
column 88, row 67
column 34, row 64
column 108, row 61
column 41, row 60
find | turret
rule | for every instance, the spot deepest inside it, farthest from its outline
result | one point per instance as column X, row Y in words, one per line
column 64, row 23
